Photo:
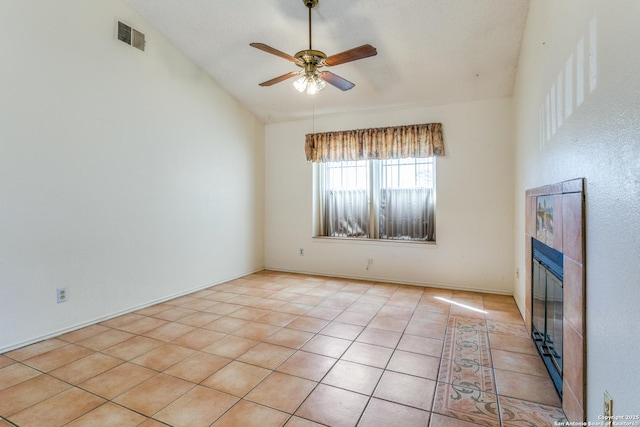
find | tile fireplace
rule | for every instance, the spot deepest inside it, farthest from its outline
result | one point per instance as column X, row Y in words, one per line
column 555, row 286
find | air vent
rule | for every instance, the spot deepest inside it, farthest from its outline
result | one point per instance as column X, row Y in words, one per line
column 130, row 36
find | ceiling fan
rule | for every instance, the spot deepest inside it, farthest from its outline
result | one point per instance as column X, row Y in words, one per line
column 310, row 79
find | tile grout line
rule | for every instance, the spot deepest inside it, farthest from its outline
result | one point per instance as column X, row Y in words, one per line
column 370, row 397
column 339, row 358
column 493, row 376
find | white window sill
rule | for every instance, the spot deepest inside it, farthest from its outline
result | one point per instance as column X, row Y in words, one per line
column 366, row 241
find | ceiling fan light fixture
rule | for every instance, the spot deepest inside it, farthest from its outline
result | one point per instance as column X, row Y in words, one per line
column 309, row 80
column 309, row 83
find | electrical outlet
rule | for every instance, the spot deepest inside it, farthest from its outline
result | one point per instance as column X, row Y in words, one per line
column 608, row 408
column 517, row 273
column 301, row 251
column 61, row 294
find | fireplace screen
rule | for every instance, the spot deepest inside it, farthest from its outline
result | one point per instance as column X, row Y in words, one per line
column 547, row 308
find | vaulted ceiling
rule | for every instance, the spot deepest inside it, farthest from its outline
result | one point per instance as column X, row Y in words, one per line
column 430, row 52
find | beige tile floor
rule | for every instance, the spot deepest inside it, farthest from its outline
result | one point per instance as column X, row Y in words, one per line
column 274, row 349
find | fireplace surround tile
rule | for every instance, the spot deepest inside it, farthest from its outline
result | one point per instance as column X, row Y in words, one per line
column 573, row 351
column 554, row 188
column 573, row 186
column 532, row 214
column 528, row 253
column 572, row 408
column 528, row 226
column 557, row 242
column 574, row 291
column 572, row 230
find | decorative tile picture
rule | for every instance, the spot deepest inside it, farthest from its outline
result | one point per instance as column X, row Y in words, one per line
column 544, row 219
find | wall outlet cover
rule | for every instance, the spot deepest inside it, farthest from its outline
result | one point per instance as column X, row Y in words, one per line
column 61, row 295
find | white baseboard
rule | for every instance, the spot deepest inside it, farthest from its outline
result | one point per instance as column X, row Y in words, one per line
column 395, row 282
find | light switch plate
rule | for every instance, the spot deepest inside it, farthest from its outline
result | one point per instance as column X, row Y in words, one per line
column 608, row 408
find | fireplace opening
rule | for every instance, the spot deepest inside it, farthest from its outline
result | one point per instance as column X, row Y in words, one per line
column 546, row 308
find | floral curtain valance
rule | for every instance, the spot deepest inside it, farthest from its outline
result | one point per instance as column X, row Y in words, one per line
column 395, row 142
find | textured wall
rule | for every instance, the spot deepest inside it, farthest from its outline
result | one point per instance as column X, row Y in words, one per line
column 577, row 106
column 473, row 212
column 125, row 176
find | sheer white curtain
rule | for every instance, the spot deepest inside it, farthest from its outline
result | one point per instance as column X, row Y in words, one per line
column 403, row 214
column 346, row 213
column 406, row 214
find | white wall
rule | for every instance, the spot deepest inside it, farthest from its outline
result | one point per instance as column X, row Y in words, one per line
column 474, row 210
column 127, row 177
column 593, row 131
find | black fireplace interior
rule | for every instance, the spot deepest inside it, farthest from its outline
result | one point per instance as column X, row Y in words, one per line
column 547, row 308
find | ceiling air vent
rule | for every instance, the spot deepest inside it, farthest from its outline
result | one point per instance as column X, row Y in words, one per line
column 130, row 36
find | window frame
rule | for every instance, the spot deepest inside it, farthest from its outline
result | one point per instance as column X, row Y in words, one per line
column 374, row 186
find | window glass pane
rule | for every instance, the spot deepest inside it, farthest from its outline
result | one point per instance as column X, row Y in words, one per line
column 407, row 173
column 347, row 175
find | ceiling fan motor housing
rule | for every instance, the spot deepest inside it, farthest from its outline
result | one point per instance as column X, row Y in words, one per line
column 310, row 57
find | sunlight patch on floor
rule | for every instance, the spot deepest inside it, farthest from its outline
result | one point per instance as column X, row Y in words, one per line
column 468, row 307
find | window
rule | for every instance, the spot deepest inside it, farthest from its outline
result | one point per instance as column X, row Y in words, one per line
column 376, row 183
column 379, row 199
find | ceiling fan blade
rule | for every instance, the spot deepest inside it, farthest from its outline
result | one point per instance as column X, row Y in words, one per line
column 360, row 52
column 336, row 80
column 273, row 51
column 280, row 78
